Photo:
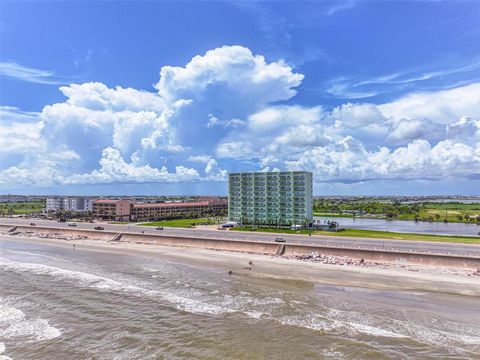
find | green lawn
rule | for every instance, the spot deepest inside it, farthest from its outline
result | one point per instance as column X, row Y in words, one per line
column 22, row 207
column 407, row 236
column 183, row 223
column 374, row 234
column 281, row 231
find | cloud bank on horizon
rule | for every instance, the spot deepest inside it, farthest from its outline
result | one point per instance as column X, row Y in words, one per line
column 230, row 109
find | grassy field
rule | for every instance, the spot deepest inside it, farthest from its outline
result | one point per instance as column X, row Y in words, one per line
column 454, row 212
column 374, row 234
column 182, row 223
column 22, row 207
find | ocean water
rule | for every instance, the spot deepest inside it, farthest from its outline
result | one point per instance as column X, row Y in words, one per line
column 56, row 303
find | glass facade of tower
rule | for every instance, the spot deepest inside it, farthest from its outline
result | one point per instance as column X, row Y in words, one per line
column 283, row 198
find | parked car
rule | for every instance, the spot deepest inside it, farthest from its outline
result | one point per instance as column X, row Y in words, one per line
column 98, row 228
column 72, row 224
column 159, row 228
column 280, row 239
column 62, row 220
column 33, row 224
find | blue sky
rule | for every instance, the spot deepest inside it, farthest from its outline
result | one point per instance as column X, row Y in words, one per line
column 373, row 97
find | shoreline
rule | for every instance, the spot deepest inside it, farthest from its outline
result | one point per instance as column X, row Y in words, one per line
column 374, row 276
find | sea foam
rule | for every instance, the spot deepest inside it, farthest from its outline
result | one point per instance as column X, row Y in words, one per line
column 84, row 279
column 183, row 299
column 15, row 324
column 2, row 350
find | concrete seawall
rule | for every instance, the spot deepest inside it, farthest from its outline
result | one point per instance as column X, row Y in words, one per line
column 5, row 228
column 44, row 231
column 257, row 247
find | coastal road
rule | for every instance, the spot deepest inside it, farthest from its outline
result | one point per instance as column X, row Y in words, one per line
column 363, row 243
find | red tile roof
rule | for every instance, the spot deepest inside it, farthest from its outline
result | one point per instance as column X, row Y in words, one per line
column 181, row 204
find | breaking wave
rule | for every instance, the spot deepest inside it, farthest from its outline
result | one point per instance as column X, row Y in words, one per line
column 184, row 299
column 14, row 324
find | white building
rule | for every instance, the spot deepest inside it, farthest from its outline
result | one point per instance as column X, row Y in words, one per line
column 76, row 203
column 270, row 197
column 54, row 204
column 88, row 204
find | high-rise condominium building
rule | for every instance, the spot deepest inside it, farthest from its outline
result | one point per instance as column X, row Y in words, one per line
column 270, row 197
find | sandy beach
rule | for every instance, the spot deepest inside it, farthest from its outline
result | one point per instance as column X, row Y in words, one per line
column 373, row 276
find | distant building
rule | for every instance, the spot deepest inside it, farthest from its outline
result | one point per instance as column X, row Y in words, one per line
column 283, row 198
column 19, row 198
column 88, row 204
column 160, row 211
column 112, row 209
column 53, row 204
column 75, row 203
column 71, row 204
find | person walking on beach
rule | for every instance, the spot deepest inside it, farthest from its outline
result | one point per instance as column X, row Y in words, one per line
column 73, row 247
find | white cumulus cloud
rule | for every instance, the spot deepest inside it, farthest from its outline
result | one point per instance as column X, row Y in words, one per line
column 113, row 169
column 236, row 69
column 229, row 110
column 443, row 107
